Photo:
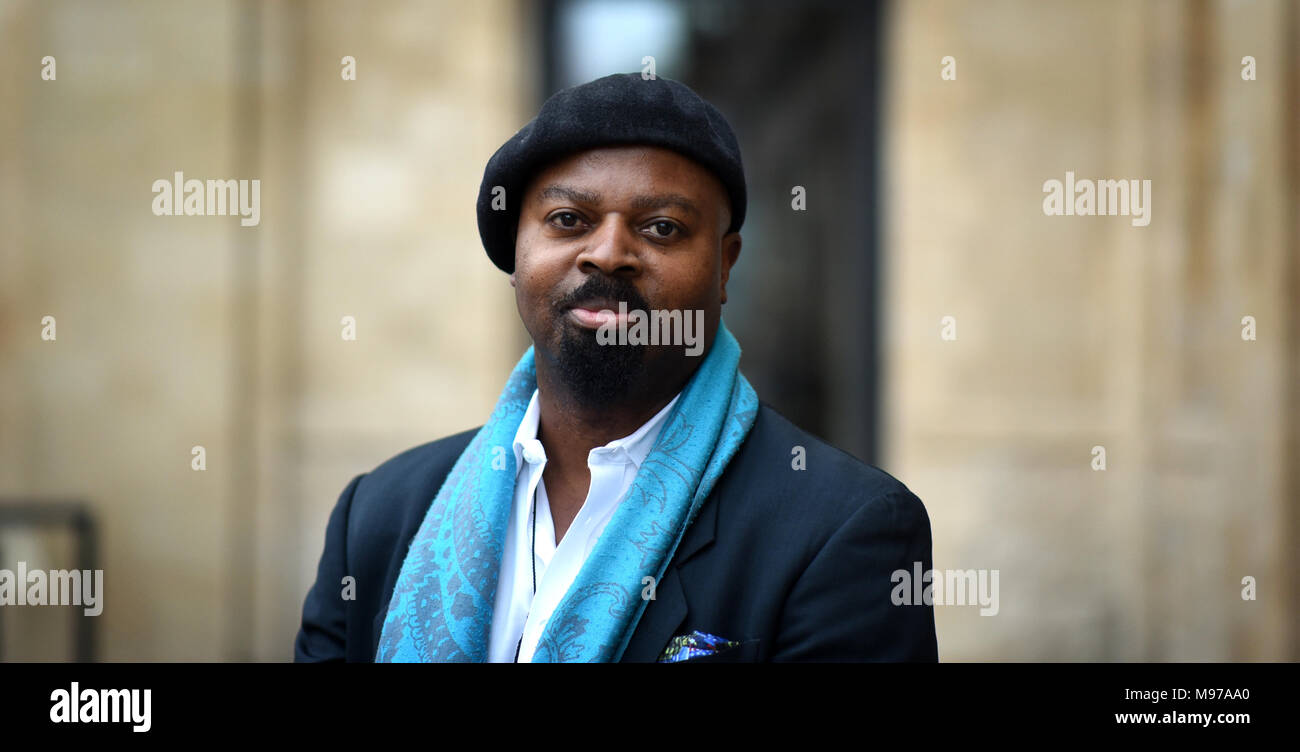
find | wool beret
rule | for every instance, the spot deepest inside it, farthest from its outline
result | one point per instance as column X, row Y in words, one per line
column 619, row 109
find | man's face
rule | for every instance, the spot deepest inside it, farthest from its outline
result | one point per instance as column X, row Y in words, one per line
column 637, row 224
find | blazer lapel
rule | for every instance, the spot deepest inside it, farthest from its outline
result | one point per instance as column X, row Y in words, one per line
column 665, row 614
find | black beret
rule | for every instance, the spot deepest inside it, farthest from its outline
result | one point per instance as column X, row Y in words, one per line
column 615, row 110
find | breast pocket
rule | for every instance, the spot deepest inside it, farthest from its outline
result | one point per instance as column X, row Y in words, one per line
column 744, row 652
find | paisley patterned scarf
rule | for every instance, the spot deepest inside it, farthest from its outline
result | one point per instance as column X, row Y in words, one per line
column 441, row 609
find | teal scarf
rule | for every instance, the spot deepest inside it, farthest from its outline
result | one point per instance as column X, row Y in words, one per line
column 441, row 609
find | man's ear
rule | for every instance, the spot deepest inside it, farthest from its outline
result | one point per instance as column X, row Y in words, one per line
column 730, row 252
column 512, row 279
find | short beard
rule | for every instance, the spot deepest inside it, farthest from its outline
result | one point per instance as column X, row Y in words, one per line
column 597, row 375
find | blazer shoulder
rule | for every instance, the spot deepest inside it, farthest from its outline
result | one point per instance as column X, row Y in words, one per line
column 822, row 478
column 411, row 477
column 433, row 453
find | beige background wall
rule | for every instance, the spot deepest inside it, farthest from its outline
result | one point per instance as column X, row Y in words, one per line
column 182, row 331
column 1074, row 332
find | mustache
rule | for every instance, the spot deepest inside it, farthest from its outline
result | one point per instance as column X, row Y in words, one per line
column 601, row 286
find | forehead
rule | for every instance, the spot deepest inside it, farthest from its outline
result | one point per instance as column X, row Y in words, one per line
column 615, row 172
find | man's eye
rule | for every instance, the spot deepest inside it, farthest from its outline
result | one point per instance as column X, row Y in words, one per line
column 567, row 220
column 663, row 229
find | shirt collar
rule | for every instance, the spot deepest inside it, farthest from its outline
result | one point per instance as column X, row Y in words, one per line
column 526, row 436
column 635, row 446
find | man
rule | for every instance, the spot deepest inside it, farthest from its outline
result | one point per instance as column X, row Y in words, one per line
column 629, row 499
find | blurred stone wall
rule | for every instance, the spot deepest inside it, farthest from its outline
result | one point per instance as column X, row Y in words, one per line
column 174, row 332
column 1076, row 332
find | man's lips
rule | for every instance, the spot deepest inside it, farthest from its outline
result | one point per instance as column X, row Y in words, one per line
column 593, row 314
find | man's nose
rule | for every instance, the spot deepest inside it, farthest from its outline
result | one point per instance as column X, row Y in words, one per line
column 613, row 249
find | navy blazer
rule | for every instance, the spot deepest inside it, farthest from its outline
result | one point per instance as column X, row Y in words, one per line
column 793, row 564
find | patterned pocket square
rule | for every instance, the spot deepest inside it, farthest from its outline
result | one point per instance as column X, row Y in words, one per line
column 694, row 645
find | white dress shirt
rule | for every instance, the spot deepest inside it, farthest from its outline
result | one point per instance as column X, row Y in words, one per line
column 517, row 612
